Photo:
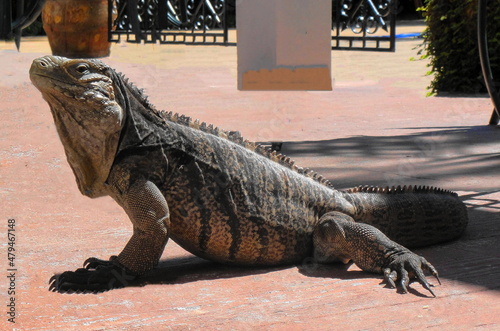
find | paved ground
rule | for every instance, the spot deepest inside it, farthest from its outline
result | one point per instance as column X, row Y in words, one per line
column 376, row 127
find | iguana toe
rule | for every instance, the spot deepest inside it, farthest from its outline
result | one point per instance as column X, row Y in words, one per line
column 93, row 262
column 407, row 267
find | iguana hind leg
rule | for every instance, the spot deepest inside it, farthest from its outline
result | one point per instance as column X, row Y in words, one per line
column 148, row 211
column 339, row 238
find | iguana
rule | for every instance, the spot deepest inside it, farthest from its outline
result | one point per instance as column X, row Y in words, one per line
column 221, row 197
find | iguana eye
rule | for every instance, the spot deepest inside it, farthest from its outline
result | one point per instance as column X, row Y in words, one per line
column 82, row 68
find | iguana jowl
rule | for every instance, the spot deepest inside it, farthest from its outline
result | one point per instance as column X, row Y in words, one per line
column 219, row 196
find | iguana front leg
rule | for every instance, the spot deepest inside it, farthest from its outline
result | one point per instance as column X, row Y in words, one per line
column 148, row 211
column 339, row 238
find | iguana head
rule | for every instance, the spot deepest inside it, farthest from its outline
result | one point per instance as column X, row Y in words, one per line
column 81, row 96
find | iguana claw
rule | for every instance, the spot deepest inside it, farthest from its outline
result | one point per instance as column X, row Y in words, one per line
column 93, row 262
column 97, row 276
column 407, row 267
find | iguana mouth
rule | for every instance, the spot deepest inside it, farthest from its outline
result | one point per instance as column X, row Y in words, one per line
column 54, row 87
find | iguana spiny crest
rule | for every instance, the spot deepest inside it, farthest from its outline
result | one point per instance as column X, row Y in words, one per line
column 96, row 83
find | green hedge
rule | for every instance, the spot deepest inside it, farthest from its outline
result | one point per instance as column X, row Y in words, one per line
column 450, row 42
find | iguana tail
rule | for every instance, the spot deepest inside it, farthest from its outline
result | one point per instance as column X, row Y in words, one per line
column 411, row 216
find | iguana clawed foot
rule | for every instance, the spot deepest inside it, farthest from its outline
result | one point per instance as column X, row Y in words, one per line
column 407, row 267
column 96, row 276
column 340, row 238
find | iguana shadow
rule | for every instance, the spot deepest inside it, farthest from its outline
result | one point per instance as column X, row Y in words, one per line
column 190, row 269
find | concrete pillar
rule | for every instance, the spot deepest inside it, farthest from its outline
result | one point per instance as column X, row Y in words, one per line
column 284, row 44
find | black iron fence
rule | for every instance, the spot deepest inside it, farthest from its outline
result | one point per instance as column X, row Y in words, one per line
column 356, row 24
column 364, row 25
column 170, row 21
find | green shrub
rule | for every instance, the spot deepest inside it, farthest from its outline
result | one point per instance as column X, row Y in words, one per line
column 450, row 42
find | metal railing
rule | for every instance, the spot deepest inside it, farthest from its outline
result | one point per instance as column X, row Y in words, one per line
column 365, row 25
column 356, row 24
column 171, row 21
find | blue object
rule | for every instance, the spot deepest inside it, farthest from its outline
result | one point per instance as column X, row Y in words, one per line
column 409, row 35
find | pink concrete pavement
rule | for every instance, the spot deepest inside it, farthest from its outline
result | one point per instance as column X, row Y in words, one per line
column 376, row 128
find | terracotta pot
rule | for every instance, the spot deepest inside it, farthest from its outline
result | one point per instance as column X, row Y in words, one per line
column 77, row 28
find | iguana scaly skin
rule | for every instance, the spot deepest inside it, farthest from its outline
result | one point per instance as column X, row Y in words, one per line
column 221, row 197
